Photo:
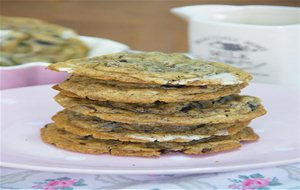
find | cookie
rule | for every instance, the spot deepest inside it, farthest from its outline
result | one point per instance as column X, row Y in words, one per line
column 156, row 107
column 62, row 139
column 26, row 40
column 99, row 129
column 234, row 109
column 154, row 68
column 98, row 124
column 94, row 89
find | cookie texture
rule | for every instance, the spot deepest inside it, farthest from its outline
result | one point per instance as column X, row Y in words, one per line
column 26, row 40
column 81, row 125
column 65, row 140
column 94, row 89
column 234, row 109
column 154, row 68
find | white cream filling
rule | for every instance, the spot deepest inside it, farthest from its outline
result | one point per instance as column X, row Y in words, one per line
column 69, row 70
column 225, row 78
column 185, row 81
column 222, row 133
column 68, row 34
column 168, row 137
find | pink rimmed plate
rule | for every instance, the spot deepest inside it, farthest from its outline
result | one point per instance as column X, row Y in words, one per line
column 25, row 110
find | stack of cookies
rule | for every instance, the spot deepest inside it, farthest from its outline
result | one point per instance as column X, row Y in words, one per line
column 146, row 104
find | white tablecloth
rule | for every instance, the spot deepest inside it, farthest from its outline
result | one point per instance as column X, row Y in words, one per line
column 280, row 177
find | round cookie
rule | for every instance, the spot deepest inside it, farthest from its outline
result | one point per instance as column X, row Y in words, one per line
column 94, row 89
column 229, row 109
column 26, row 40
column 154, row 68
column 62, row 139
column 81, row 125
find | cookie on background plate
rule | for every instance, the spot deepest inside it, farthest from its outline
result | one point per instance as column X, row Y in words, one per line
column 25, row 40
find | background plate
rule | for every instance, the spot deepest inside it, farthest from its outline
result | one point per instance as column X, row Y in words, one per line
column 35, row 73
column 25, row 110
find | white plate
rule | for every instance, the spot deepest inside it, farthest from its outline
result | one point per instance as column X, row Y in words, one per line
column 26, row 110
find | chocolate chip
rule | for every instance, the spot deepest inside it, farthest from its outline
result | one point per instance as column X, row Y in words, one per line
column 224, row 99
column 193, row 105
column 82, row 143
column 123, row 60
column 167, row 86
column 202, row 125
column 96, row 120
column 86, row 137
column 164, row 151
column 159, row 103
column 155, row 141
column 252, row 106
column 186, row 109
column 44, row 42
column 203, row 87
column 206, row 150
column 146, row 131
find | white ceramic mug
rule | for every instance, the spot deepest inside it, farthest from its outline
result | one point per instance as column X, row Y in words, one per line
column 264, row 40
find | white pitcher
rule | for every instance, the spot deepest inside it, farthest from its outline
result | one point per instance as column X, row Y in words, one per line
column 264, row 40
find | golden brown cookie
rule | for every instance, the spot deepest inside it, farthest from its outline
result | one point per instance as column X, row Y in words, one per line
column 94, row 89
column 81, row 125
column 62, row 139
column 154, row 68
column 229, row 109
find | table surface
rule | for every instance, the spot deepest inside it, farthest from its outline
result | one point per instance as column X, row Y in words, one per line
column 280, row 177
